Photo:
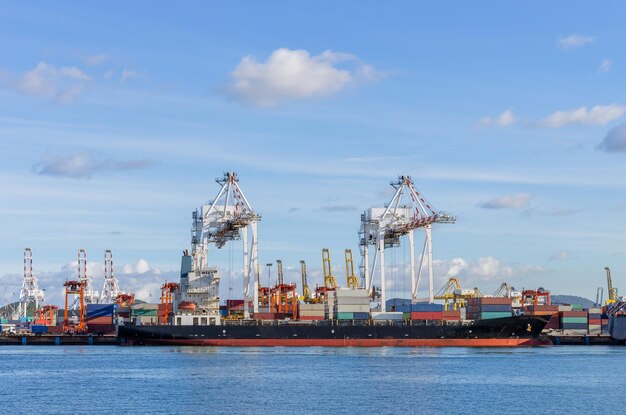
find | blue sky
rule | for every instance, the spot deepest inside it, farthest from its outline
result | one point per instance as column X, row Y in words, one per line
column 115, row 120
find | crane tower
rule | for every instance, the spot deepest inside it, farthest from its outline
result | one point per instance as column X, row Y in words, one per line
column 90, row 295
column 228, row 217
column 111, row 288
column 30, row 292
column 382, row 228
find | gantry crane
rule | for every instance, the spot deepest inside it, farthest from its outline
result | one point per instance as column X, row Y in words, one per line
column 228, row 217
column 91, row 295
column 504, row 290
column 30, row 292
column 351, row 279
column 75, row 288
column 306, row 291
column 47, row 315
column 612, row 292
column 111, row 289
column 452, row 294
column 382, row 228
column 167, row 295
column 533, row 297
column 329, row 279
column 283, row 296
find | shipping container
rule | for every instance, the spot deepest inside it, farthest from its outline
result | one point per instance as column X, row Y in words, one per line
column 38, row 329
column 388, row 315
column 426, row 315
column 493, row 314
column 426, row 307
column 345, row 316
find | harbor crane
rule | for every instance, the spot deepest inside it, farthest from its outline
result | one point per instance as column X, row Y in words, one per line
column 111, row 289
column 382, row 228
column 306, row 291
column 167, row 296
column 91, row 295
column 76, row 288
column 351, row 279
column 229, row 217
column 30, row 292
column 329, row 278
column 454, row 296
column 504, row 290
column 611, row 291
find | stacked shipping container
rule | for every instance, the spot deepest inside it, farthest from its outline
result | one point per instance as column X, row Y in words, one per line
column 347, row 304
column 484, row 308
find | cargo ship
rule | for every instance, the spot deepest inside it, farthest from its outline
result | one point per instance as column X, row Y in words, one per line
column 195, row 320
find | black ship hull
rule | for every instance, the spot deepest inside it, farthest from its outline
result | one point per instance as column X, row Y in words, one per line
column 507, row 332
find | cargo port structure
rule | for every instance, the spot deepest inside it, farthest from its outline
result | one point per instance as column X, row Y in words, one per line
column 30, row 292
column 91, row 296
column 228, row 217
column 111, row 289
column 382, row 228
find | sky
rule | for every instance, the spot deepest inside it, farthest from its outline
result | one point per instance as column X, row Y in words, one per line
column 116, row 118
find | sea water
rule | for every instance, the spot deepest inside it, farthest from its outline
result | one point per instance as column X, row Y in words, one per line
column 283, row 380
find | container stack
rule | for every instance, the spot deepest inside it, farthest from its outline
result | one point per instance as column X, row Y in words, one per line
column 574, row 322
column 595, row 321
column 426, row 311
column 402, row 305
column 100, row 318
column 485, row 308
column 451, row 315
column 388, row 316
column 347, row 304
column 605, row 324
column 311, row 311
column 145, row 314
column 123, row 315
column 542, row 310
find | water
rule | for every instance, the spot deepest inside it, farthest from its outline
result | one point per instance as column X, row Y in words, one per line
column 152, row 380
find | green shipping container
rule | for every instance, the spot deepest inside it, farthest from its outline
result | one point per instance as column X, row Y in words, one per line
column 145, row 313
column 345, row 316
column 577, row 307
column 582, row 320
column 406, row 316
column 486, row 315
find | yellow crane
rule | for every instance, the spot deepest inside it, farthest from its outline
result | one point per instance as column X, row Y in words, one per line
column 352, row 280
column 611, row 290
column 306, row 291
column 452, row 294
column 329, row 279
column 503, row 291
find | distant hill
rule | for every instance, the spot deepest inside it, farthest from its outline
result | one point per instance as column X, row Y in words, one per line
column 572, row 299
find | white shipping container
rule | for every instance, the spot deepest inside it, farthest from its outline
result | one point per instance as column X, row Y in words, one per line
column 352, row 309
column 388, row 315
column 353, row 301
column 347, row 292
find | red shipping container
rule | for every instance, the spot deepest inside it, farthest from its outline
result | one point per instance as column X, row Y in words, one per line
column 574, row 313
column 494, row 300
column 595, row 322
column 55, row 329
column 101, row 328
column 426, row 315
column 234, row 303
column 100, row 320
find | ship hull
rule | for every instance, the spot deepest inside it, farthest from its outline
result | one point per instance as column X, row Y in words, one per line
column 504, row 332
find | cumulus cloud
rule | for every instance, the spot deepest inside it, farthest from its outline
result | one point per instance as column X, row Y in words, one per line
column 505, row 119
column 95, row 60
column 574, row 41
column 598, row 115
column 615, row 140
column 83, row 165
column 63, row 84
column 514, row 201
column 484, row 269
column 294, row 74
column 606, row 65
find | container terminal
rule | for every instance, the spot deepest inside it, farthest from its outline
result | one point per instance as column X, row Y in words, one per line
column 190, row 311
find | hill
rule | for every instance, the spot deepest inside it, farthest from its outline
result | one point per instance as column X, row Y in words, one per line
column 572, row 299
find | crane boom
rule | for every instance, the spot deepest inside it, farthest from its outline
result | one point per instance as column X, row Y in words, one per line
column 612, row 292
column 306, row 291
column 329, row 279
column 279, row 268
column 351, row 279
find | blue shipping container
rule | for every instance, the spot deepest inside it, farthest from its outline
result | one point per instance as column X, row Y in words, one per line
column 100, row 310
column 38, row 329
column 361, row 316
column 495, row 308
column 426, row 307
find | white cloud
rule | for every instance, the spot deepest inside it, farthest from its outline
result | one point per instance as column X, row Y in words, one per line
column 485, row 269
column 295, row 74
column 505, row 119
column 128, row 74
column 606, row 65
column 63, row 84
column 574, row 41
column 95, row 60
column 560, row 256
column 83, row 165
column 598, row 115
column 514, row 201
column 615, row 140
